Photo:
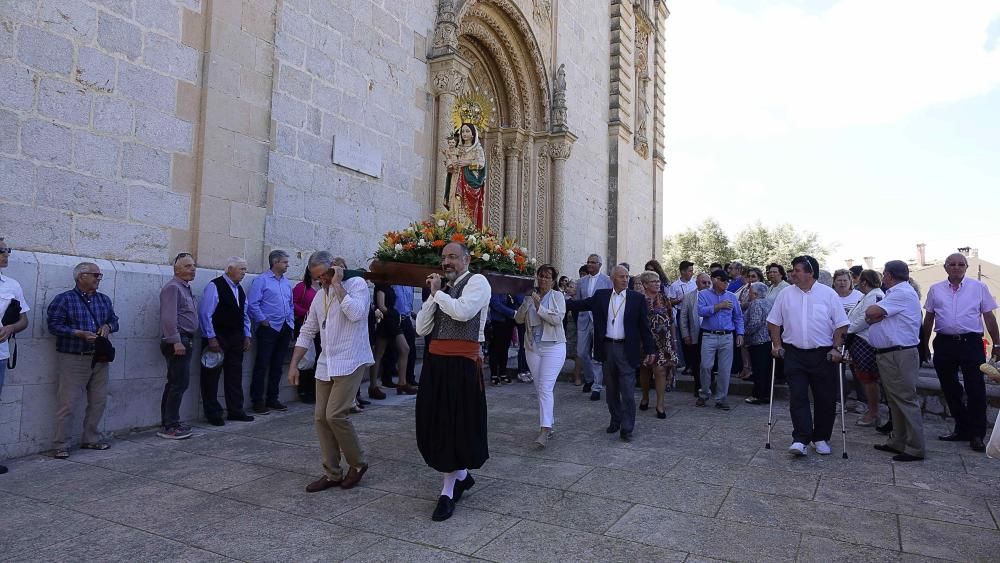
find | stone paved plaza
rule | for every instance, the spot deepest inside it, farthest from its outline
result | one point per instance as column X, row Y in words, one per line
column 694, row 487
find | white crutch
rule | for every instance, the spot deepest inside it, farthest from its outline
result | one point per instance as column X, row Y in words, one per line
column 770, row 405
column 840, row 379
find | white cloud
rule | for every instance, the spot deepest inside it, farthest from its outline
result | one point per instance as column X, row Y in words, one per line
column 735, row 74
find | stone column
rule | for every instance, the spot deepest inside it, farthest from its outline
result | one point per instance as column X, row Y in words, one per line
column 448, row 77
column 560, row 146
column 513, row 145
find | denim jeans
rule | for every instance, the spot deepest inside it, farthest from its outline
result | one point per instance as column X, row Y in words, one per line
column 178, row 377
column 3, row 372
column 713, row 345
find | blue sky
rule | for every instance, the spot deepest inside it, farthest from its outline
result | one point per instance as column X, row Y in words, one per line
column 874, row 123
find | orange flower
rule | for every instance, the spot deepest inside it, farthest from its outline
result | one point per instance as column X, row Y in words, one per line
column 520, row 261
column 458, row 237
column 409, row 246
column 438, row 243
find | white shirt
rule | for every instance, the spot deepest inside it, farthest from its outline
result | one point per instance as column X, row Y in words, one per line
column 679, row 288
column 856, row 317
column 475, row 298
column 851, row 300
column 616, row 315
column 901, row 326
column 808, row 317
column 343, row 330
column 10, row 289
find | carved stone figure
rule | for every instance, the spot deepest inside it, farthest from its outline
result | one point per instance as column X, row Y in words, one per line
column 465, row 183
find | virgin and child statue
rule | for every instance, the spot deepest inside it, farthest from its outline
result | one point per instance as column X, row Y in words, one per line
column 465, row 161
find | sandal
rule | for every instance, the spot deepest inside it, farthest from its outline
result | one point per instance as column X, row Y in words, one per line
column 61, row 454
column 95, row 446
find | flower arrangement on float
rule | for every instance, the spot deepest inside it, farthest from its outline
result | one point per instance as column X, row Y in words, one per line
column 420, row 244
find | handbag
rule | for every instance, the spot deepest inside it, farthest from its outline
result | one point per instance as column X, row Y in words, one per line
column 104, row 351
column 10, row 316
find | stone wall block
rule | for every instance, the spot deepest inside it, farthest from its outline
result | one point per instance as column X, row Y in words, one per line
column 120, row 7
column 95, row 70
column 188, row 101
column 258, row 190
column 334, row 15
column 284, row 139
column 156, row 206
column 17, row 181
column 119, row 36
column 288, row 232
column 38, row 413
column 113, row 115
column 260, row 122
column 251, row 154
column 64, row 101
column 326, row 98
column 247, row 221
column 17, row 87
column 6, row 39
column 81, row 194
column 285, row 109
column 220, row 145
column 46, row 229
column 70, row 17
column 289, row 171
column 170, row 57
column 214, row 249
column 288, row 201
column 96, row 154
column 294, row 82
column 44, row 51
column 230, row 42
column 225, row 111
column 183, row 170
column 296, row 24
column 225, row 181
column 322, row 66
column 47, row 141
column 147, row 87
column 254, row 87
column 224, row 75
column 193, row 29
column 141, row 357
column 107, row 239
column 314, row 149
column 140, row 162
column 137, row 290
column 164, row 131
column 290, row 50
column 259, row 18
column 264, row 58
column 9, row 124
column 229, row 11
column 160, row 15
column 215, row 215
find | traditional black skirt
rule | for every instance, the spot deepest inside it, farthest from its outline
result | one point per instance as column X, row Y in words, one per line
column 451, row 414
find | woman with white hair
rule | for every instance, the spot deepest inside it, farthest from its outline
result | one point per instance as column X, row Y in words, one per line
column 758, row 341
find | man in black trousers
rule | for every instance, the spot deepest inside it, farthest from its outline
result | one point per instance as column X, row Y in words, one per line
column 621, row 324
column 225, row 325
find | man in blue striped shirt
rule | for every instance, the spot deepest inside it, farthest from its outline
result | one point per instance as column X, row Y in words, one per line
column 76, row 318
column 721, row 317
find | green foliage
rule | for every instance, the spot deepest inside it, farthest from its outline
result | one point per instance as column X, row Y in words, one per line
column 755, row 245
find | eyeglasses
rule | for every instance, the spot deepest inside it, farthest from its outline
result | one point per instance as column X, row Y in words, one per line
column 96, row 275
column 6, row 250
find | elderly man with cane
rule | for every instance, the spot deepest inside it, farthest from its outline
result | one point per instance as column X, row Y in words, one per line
column 807, row 325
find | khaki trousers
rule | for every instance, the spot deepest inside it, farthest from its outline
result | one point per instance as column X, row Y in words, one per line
column 333, row 425
column 898, row 373
column 76, row 377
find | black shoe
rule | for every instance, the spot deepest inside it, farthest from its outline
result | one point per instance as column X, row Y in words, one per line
column 953, row 437
column 444, row 509
column 661, row 414
column 887, row 448
column 216, row 421
column 595, row 395
column 625, row 436
column 977, row 444
column 363, row 402
column 240, row 417
column 276, row 406
column 885, row 428
column 260, row 409
column 700, row 402
column 612, row 428
column 722, row 406
column 644, row 406
column 462, row 486
column 755, row 401
column 906, row 457
column 586, row 387
column 3, row 469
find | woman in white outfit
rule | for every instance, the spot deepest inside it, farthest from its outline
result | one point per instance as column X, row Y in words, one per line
column 862, row 354
column 544, row 342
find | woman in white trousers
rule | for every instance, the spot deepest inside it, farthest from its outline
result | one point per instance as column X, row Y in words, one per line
column 545, row 342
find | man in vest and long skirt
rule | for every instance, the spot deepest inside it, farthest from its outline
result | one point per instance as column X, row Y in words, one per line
column 451, row 402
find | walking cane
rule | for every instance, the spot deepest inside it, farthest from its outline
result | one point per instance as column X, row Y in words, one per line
column 770, row 405
column 843, row 422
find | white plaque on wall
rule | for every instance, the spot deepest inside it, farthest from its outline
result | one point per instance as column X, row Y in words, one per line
column 349, row 153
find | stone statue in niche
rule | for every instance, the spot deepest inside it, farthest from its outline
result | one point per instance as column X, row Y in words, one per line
column 465, row 182
column 559, row 100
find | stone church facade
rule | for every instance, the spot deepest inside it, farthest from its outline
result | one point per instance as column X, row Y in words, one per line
column 131, row 130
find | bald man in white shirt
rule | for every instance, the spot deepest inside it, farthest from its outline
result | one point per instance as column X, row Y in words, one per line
column 807, row 325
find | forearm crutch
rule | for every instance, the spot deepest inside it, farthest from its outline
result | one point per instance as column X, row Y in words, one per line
column 770, row 405
column 843, row 421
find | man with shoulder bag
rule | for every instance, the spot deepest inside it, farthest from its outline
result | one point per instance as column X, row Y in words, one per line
column 82, row 319
column 14, row 309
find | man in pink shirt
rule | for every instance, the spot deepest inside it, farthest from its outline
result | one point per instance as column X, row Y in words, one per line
column 956, row 309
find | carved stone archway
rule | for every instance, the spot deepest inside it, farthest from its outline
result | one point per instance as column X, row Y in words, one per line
column 488, row 47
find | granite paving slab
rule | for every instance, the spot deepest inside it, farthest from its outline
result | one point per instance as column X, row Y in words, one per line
column 28, row 526
column 664, row 492
column 286, row 492
column 948, row 541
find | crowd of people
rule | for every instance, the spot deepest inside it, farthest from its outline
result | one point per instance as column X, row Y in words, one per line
column 621, row 331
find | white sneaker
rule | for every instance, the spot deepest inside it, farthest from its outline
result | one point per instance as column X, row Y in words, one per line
column 798, row 449
column 525, row 377
column 822, row 448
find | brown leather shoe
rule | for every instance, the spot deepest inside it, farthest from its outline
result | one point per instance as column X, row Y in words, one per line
column 375, row 392
column 353, row 477
column 321, row 484
column 406, row 390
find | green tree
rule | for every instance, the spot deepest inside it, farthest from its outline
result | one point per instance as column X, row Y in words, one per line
column 702, row 245
column 759, row 246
